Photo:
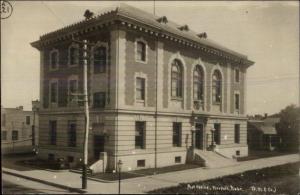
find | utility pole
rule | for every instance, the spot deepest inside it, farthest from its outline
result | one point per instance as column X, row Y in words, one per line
column 86, row 117
column 33, row 129
column 86, row 111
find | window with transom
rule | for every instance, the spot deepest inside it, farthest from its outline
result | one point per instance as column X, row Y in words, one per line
column 198, row 83
column 217, row 87
column 176, row 79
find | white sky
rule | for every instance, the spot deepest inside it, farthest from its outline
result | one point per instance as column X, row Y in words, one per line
column 267, row 32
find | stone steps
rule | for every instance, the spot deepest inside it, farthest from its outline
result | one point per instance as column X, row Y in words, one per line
column 213, row 160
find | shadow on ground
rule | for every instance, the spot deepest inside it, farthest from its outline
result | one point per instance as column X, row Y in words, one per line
column 257, row 154
column 14, row 161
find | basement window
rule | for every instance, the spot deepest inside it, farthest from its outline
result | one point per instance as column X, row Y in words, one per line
column 237, row 152
column 141, row 163
column 51, row 157
column 70, row 159
column 177, row 159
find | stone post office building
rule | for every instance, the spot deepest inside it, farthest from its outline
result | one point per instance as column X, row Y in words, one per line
column 156, row 90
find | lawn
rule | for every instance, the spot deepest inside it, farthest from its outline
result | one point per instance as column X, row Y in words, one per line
column 257, row 154
column 13, row 161
column 28, row 161
column 43, row 164
column 283, row 179
column 143, row 172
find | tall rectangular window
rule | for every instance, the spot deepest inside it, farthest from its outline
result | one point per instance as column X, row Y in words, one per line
column 217, row 133
column 27, row 120
column 237, row 75
column 140, row 128
column 237, row 101
column 73, row 55
column 52, row 132
column 177, row 134
column 237, row 133
column 99, row 100
column 72, row 134
column 73, row 86
column 141, row 51
column 53, row 60
column 3, row 135
column 15, row 135
column 73, row 89
column 100, row 59
column 140, row 88
column 53, row 92
column 3, row 120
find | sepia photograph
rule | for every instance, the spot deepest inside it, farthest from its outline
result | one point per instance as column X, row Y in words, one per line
column 155, row 97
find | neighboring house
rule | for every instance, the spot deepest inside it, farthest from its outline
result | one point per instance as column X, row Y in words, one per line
column 155, row 89
column 262, row 134
column 17, row 130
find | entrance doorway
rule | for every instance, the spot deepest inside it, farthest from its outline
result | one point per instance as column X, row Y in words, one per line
column 199, row 136
column 99, row 141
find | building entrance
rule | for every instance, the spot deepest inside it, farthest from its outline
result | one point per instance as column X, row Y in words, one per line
column 99, row 141
column 199, row 136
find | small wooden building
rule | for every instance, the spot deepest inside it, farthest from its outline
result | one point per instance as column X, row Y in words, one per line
column 262, row 134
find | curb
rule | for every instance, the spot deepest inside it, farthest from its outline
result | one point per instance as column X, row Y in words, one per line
column 101, row 180
column 46, row 182
column 93, row 178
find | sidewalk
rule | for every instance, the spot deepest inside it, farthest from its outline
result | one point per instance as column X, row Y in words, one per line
column 144, row 184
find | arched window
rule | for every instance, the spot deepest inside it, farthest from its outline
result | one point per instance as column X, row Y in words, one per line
column 54, row 60
column 198, row 83
column 176, row 77
column 217, row 87
column 100, row 59
column 73, row 55
column 141, row 51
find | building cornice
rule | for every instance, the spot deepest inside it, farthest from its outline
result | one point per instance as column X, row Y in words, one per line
column 111, row 18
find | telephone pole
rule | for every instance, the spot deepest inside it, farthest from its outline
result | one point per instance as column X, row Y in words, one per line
column 86, row 117
column 86, row 111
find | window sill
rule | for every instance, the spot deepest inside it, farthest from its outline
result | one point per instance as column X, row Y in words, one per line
column 176, row 99
column 73, row 104
column 140, row 61
column 72, row 65
column 53, row 105
column 216, row 103
column 99, row 72
column 140, row 149
column 53, row 70
column 101, row 108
